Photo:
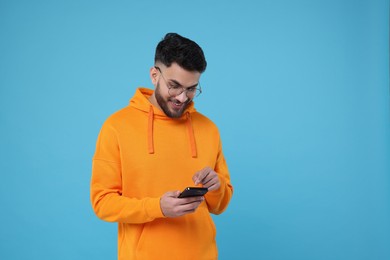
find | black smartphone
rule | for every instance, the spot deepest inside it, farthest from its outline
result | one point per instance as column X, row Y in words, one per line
column 193, row 192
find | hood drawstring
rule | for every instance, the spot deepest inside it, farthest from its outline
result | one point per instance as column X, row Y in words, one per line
column 150, row 131
column 189, row 128
column 191, row 135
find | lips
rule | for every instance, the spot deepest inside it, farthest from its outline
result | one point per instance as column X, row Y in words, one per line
column 176, row 105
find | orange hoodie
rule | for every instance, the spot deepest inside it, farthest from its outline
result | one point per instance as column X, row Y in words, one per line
column 140, row 155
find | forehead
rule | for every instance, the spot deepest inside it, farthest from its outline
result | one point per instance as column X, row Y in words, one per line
column 182, row 76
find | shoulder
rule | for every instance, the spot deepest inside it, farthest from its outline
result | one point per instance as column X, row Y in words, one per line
column 202, row 118
column 117, row 118
column 204, row 122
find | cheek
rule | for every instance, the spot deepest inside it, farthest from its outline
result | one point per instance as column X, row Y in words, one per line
column 163, row 91
column 160, row 93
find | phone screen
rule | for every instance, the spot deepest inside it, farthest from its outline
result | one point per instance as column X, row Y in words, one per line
column 193, row 192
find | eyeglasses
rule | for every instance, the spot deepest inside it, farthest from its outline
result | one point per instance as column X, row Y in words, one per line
column 176, row 90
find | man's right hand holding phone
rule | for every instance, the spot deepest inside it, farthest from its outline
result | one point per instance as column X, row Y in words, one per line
column 173, row 206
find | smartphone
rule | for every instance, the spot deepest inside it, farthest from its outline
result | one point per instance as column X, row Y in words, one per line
column 193, row 192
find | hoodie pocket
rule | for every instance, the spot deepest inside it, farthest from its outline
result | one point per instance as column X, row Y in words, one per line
column 188, row 237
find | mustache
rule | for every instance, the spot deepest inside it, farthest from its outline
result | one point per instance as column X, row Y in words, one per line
column 174, row 100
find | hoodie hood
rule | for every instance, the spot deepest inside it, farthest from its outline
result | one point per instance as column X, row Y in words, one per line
column 141, row 102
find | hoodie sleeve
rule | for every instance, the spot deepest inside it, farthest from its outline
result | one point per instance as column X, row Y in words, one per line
column 218, row 200
column 106, row 185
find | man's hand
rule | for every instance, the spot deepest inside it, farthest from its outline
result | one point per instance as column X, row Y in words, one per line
column 172, row 206
column 208, row 178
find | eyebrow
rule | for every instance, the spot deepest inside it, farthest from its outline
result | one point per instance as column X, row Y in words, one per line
column 180, row 85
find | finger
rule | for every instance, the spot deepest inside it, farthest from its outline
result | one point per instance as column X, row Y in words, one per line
column 176, row 194
column 209, row 179
column 213, row 187
column 190, row 207
column 208, row 184
column 191, row 210
column 189, row 200
column 172, row 194
column 200, row 175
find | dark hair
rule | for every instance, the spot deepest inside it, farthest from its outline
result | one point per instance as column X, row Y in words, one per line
column 178, row 49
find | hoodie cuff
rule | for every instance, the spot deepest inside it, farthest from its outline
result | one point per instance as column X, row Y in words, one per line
column 153, row 209
column 217, row 193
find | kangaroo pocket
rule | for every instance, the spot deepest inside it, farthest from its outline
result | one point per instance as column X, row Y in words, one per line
column 188, row 237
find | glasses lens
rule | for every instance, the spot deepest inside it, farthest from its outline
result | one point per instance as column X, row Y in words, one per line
column 175, row 91
column 191, row 93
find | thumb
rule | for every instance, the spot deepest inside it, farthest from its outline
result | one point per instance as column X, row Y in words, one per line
column 176, row 193
column 172, row 194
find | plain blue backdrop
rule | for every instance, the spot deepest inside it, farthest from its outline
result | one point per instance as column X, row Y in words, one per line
column 299, row 90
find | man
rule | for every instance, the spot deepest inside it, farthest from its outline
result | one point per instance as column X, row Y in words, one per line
column 152, row 149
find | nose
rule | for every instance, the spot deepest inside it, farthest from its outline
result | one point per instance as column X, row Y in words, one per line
column 182, row 97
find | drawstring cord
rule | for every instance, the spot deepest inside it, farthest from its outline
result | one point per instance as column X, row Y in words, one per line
column 190, row 129
column 150, row 131
column 191, row 135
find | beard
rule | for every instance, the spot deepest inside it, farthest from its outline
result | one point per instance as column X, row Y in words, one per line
column 172, row 113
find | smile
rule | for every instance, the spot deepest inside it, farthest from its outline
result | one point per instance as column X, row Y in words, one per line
column 176, row 104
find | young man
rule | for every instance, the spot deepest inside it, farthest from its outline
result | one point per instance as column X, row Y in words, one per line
column 152, row 149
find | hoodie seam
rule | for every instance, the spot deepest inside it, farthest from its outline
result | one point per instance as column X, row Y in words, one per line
column 105, row 160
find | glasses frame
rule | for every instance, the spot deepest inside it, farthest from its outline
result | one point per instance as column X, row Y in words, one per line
column 198, row 90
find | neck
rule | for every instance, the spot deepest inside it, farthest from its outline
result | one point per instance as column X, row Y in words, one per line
column 153, row 100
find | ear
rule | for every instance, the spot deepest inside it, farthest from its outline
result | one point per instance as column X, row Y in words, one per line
column 153, row 75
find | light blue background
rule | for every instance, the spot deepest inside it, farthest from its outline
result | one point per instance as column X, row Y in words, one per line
column 299, row 90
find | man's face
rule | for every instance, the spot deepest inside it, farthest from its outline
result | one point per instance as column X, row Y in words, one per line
column 174, row 76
